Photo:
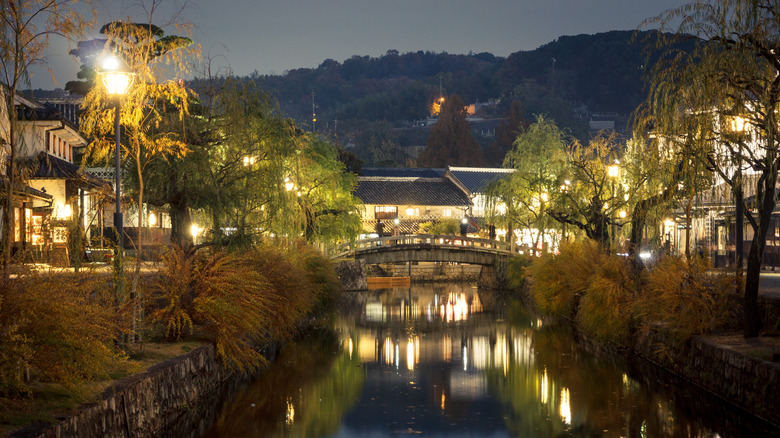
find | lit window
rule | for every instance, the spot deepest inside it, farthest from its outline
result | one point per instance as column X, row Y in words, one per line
column 447, row 212
column 385, row 212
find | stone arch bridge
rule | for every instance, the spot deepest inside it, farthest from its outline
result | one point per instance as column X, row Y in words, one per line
column 492, row 255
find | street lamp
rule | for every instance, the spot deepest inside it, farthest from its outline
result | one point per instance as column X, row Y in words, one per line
column 738, row 127
column 117, row 78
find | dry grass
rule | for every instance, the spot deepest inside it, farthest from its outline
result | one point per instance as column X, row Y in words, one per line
column 48, row 402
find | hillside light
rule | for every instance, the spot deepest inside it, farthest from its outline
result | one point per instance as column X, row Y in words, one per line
column 117, row 78
column 622, row 214
column 288, row 185
column 152, row 219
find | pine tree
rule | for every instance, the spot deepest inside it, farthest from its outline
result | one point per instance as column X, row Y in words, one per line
column 450, row 141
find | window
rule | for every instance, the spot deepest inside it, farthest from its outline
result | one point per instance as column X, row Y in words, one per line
column 446, row 212
column 410, row 212
column 385, row 212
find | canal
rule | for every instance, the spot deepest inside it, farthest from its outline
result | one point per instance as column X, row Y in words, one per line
column 450, row 360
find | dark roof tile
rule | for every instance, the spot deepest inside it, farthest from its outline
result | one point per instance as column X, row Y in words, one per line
column 410, row 191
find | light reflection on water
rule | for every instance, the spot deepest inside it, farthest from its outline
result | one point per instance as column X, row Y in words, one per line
column 439, row 360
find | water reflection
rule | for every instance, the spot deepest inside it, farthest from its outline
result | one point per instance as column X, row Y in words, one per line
column 443, row 361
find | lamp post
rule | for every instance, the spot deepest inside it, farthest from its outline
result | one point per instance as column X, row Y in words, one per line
column 565, row 190
column 117, row 78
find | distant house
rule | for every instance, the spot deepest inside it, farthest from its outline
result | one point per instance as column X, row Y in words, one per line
column 473, row 181
column 55, row 190
column 414, row 196
column 411, row 196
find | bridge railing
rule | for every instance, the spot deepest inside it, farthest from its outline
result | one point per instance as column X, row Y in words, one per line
column 430, row 239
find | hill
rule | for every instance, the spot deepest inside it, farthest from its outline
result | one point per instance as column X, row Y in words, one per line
column 602, row 72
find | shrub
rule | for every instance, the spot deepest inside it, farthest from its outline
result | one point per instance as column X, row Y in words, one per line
column 558, row 281
column 517, row 271
column 172, row 296
column 684, row 298
column 232, row 307
column 606, row 307
column 442, row 226
column 60, row 327
column 322, row 275
column 241, row 300
column 588, row 285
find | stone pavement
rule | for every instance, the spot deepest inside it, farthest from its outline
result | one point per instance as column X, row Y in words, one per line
column 769, row 286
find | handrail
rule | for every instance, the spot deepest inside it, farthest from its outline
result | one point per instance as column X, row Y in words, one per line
column 430, row 239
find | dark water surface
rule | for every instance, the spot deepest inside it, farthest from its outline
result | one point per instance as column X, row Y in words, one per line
column 448, row 361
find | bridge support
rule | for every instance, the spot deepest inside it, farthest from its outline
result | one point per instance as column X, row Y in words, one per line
column 492, row 276
column 352, row 274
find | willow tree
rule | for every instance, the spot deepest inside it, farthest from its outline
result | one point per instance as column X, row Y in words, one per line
column 593, row 191
column 258, row 174
column 521, row 199
column 732, row 75
column 27, row 26
column 146, row 107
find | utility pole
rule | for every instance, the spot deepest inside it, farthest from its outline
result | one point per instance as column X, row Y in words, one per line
column 313, row 114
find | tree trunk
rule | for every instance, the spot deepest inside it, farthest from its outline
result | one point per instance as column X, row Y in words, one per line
column 8, row 216
column 752, row 322
column 180, row 222
column 179, row 209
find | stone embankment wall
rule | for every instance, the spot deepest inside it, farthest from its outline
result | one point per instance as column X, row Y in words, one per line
column 170, row 399
column 710, row 364
column 749, row 382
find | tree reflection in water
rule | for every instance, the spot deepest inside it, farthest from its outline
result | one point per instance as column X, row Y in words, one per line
column 306, row 392
column 450, row 360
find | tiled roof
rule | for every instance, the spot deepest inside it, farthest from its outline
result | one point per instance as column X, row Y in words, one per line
column 410, row 191
column 476, row 179
column 403, row 172
column 50, row 167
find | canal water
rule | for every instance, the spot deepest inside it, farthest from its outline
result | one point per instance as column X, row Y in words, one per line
column 453, row 361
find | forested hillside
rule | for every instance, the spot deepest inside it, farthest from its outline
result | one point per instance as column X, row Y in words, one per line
column 603, row 72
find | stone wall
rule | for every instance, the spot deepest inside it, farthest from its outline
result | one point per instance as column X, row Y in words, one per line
column 713, row 366
column 352, row 274
column 435, row 272
column 745, row 380
column 170, row 399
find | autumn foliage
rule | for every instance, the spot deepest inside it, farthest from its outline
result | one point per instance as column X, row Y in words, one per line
column 677, row 298
column 238, row 301
column 58, row 328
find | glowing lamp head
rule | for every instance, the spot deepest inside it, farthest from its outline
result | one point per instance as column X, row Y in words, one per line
column 116, row 75
column 613, row 170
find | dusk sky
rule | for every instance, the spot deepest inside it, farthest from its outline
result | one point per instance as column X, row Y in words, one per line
column 273, row 36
